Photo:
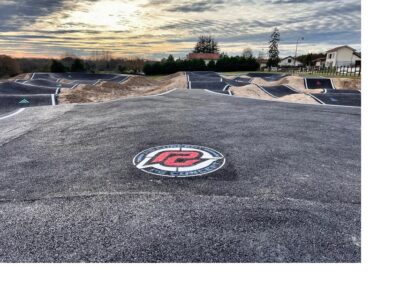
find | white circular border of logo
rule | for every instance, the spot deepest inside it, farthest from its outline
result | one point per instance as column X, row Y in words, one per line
column 214, row 161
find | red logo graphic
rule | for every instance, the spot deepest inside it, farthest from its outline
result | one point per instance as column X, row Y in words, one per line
column 318, row 83
column 177, row 158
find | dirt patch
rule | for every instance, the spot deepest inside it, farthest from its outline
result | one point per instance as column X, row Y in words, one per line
column 299, row 98
column 135, row 86
column 295, row 82
column 252, row 91
column 347, row 83
column 232, row 77
column 23, row 76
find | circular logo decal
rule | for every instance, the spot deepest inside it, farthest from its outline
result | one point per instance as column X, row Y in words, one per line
column 179, row 160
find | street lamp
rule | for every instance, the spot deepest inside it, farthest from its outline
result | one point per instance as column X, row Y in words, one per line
column 295, row 55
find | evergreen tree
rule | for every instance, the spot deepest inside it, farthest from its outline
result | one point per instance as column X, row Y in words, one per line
column 273, row 52
column 206, row 44
column 170, row 58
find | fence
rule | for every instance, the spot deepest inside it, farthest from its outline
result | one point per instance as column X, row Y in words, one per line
column 350, row 71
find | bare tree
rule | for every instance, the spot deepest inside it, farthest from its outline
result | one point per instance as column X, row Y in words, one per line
column 247, row 53
column 206, row 44
column 8, row 66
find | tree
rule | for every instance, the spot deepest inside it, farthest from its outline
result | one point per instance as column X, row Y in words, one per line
column 247, row 53
column 78, row 65
column 8, row 66
column 57, row 67
column 211, row 65
column 307, row 59
column 273, row 52
column 170, row 58
column 206, row 44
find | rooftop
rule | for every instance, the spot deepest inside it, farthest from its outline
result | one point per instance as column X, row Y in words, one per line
column 204, row 56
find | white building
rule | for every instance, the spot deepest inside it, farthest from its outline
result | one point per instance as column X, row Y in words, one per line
column 342, row 56
column 289, row 61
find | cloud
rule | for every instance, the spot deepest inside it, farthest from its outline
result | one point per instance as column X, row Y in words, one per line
column 199, row 6
column 158, row 27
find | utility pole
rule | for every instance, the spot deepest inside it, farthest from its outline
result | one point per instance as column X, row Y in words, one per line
column 295, row 54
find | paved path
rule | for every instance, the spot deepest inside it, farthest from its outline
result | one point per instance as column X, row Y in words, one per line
column 207, row 80
column 278, row 91
column 289, row 191
column 342, row 99
column 318, row 83
column 43, row 88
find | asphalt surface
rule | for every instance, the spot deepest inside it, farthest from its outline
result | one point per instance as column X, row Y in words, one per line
column 87, row 78
column 14, row 95
column 207, row 80
column 15, row 88
column 278, row 91
column 6, row 110
column 318, row 83
column 238, row 81
column 38, row 90
column 340, row 97
column 46, row 83
column 289, row 191
column 18, row 101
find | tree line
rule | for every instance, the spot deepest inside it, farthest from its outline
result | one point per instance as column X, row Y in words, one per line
column 10, row 67
column 224, row 64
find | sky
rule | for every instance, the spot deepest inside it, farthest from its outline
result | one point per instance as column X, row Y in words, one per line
column 153, row 29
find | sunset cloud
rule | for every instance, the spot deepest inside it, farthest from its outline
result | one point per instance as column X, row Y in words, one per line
column 154, row 28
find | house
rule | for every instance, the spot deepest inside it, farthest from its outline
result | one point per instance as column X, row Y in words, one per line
column 207, row 57
column 289, row 61
column 263, row 63
column 319, row 62
column 343, row 56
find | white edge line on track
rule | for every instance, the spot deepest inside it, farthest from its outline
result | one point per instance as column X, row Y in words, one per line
column 265, row 91
column 333, row 85
column 293, row 89
column 318, row 100
column 226, row 87
column 25, row 83
column 125, row 79
column 33, row 75
column 12, row 114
